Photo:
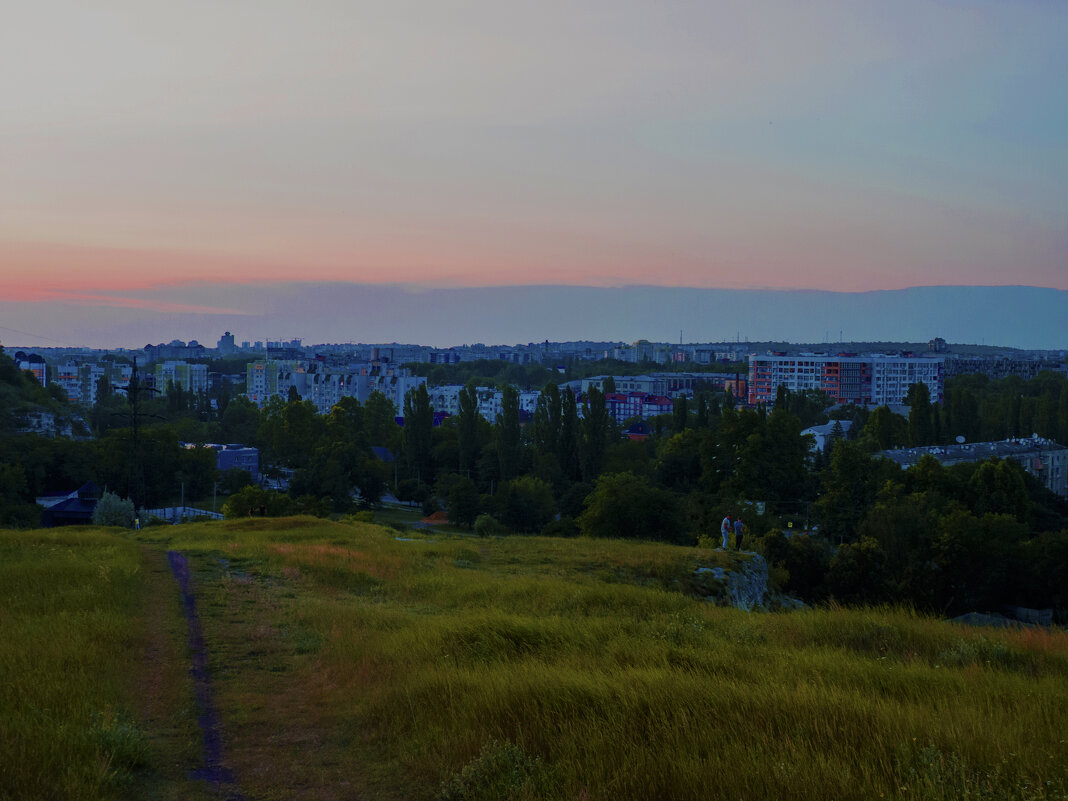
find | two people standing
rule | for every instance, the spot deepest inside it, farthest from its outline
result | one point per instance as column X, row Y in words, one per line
column 725, row 531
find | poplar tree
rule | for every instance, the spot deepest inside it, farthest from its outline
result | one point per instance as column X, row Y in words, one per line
column 596, row 430
column 680, row 414
column 508, row 433
column 567, row 449
column 418, row 432
column 921, row 424
column 467, row 429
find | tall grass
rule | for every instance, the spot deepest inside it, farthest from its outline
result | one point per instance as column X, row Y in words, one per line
column 402, row 660
column 67, row 645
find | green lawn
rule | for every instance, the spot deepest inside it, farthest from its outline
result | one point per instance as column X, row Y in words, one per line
column 348, row 663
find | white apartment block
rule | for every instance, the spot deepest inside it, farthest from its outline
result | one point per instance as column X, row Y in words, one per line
column 870, row 380
column 325, row 386
column 191, row 377
column 80, row 381
column 446, row 399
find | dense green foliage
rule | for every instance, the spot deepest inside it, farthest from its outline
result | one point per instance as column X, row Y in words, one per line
column 883, row 534
column 111, row 510
column 977, row 408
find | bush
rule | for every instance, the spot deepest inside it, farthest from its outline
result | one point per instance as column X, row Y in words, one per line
column 564, row 527
column 234, row 480
column 111, row 510
column 627, row 506
column 501, row 771
column 487, row 526
column 256, row 502
column 525, row 503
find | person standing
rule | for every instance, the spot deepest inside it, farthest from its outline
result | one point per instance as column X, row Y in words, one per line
column 739, row 527
column 725, row 530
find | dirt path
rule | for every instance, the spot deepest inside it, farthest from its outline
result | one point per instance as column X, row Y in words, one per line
column 214, row 770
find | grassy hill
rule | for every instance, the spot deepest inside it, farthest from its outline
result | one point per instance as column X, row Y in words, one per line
column 347, row 662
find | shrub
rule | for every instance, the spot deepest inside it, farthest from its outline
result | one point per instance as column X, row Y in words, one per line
column 487, row 526
column 629, row 507
column 234, row 480
column 525, row 503
column 501, row 771
column 564, row 527
column 256, row 502
column 111, row 510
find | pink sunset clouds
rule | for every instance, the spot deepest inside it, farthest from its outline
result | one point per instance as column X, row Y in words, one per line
column 827, row 145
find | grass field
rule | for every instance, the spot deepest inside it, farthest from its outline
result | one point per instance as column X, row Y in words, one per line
column 350, row 663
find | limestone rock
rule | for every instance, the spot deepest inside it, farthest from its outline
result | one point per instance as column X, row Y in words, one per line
column 744, row 587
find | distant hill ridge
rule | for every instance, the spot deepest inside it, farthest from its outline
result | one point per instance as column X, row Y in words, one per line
column 1009, row 316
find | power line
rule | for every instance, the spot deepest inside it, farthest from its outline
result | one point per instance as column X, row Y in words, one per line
column 29, row 334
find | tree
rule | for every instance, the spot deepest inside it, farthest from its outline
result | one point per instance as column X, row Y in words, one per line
column 857, row 573
column 508, row 433
column 346, row 423
column 804, row 559
column 849, row 487
column 290, row 432
column 462, row 504
column 380, row 416
column 702, row 418
column 626, row 506
column 111, row 510
column 547, row 420
column 678, row 464
column 837, row 434
column 197, row 471
column 525, row 504
column 596, row 427
column 233, row 480
column 921, row 416
column 905, row 526
column 467, row 429
column 721, row 454
column 257, row 502
column 998, row 487
column 568, row 446
column 680, row 414
column 418, row 432
column 487, row 526
column 973, row 554
column 412, row 490
column 885, row 430
column 770, row 462
column 16, row 511
column 240, row 421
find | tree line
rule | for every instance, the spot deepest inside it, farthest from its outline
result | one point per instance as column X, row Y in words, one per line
column 841, row 523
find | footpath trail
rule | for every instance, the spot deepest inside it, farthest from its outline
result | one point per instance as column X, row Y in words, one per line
column 214, row 771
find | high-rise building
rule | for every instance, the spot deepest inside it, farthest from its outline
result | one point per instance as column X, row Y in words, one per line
column 191, row 377
column 226, row 344
column 870, row 380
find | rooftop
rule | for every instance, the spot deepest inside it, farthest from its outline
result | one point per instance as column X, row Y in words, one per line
column 973, row 451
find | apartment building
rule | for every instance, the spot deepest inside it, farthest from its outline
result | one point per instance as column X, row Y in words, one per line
column 324, row 385
column 446, row 399
column 191, row 377
column 869, row 380
column 625, row 405
column 1043, row 458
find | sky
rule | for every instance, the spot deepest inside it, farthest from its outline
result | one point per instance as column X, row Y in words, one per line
column 157, row 158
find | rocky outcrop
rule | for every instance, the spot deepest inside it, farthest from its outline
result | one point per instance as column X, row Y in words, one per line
column 744, row 586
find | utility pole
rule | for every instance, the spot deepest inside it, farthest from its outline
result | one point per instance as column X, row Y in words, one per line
column 133, row 399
